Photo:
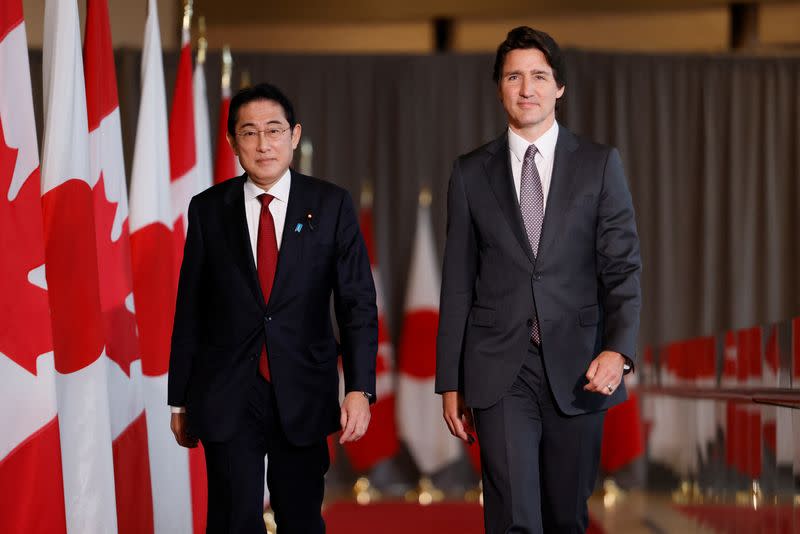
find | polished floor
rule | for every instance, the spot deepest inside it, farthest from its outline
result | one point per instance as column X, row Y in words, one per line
column 635, row 512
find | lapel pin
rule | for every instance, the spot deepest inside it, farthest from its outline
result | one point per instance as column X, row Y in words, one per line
column 298, row 227
column 310, row 219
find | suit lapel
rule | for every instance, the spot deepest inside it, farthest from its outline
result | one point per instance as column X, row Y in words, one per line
column 239, row 237
column 291, row 250
column 561, row 187
column 498, row 168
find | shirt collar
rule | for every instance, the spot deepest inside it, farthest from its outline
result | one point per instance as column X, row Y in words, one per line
column 279, row 190
column 545, row 144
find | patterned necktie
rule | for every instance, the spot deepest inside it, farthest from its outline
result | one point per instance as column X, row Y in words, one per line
column 531, row 204
column 267, row 254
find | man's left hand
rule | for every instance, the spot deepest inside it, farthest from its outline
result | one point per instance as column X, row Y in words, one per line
column 355, row 416
column 605, row 372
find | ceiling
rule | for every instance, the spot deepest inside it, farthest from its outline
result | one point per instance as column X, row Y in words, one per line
column 255, row 12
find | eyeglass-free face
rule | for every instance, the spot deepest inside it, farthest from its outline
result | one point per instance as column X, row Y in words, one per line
column 264, row 141
column 528, row 91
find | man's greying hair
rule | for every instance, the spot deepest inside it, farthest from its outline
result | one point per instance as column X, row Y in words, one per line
column 262, row 91
column 524, row 37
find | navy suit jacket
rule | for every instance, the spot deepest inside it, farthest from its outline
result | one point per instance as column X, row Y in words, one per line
column 222, row 321
column 583, row 284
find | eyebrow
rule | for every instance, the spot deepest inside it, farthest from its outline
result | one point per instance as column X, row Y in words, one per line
column 253, row 124
column 535, row 71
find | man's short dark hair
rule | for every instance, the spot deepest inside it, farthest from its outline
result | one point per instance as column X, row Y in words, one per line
column 525, row 37
column 262, row 91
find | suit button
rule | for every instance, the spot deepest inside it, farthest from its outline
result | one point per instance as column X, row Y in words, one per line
column 537, row 276
column 268, row 319
column 530, row 323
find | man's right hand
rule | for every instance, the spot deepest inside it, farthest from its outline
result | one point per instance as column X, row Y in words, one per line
column 180, row 427
column 457, row 416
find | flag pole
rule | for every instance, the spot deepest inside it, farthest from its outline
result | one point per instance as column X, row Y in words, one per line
column 366, row 196
column 227, row 69
column 425, row 197
column 202, row 42
column 188, row 9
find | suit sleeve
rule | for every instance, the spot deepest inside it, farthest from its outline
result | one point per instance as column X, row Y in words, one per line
column 186, row 326
column 618, row 261
column 354, row 303
column 458, row 282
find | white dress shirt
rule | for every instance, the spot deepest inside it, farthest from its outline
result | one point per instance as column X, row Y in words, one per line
column 545, row 152
column 252, row 208
column 252, row 211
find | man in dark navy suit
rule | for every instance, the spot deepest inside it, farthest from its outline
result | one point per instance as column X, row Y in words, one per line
column 253, row 366
column 540, row 299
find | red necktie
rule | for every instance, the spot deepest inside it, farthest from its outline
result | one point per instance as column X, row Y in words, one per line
column 267, row 254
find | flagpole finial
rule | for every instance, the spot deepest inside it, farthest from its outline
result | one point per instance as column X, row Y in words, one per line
column 306, row 156
column 202, row 42
column 227, row 67
column 188, row 9
column 425, row 197
column 245, row 79
column 366, row 195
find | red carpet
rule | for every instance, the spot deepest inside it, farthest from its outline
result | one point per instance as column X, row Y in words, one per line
column 403, row 518
column 743, row 520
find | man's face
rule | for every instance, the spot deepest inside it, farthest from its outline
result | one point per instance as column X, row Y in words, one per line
column 528, row 90
column 263, row 141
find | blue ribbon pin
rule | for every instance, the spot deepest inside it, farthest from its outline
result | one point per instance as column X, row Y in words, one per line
column 298, row 227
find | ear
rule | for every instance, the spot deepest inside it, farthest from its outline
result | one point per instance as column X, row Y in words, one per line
column 296, row 132
column 232, row 142
column 560, row 91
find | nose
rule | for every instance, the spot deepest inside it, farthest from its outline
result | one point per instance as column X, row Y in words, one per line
column 526, row 89
column 263, row 142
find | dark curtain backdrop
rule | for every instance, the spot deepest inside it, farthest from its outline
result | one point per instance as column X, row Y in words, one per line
column 711, row 146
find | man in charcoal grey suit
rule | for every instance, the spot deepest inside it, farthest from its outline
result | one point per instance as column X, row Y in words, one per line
column 540, row 299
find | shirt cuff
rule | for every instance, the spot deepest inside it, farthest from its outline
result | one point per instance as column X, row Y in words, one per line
column 177, row 409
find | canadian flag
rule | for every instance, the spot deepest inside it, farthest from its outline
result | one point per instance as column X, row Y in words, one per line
column 30, row 453
column 702, row 356
column 182, row 149
column 226, row 164
column 667, row 442
column 732, row 427
column 623, row 436
column 419, row 411
column 795, row 348
column 107, row 169
column 72, row 279
column 750, row 347
column 154, row 286
column 186, row 175
column 381, row 442
column 647, row 377
column 202, row 131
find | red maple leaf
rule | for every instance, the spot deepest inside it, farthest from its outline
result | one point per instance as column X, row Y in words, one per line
column 24, row 313
column 114, row 269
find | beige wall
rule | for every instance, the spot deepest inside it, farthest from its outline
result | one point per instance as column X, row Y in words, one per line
column 127, row 19
column 687, row 30
column 681, row 29
column 338, row 37
column 779, row 24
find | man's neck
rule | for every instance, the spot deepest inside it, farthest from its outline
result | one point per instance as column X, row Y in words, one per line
column 534, row 132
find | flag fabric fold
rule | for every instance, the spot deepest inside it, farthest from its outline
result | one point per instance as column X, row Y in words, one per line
column 107, row 167
column 381, row 441
column 73, row 281
column 419, row 409
column 30, row 450
column 154, row 286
